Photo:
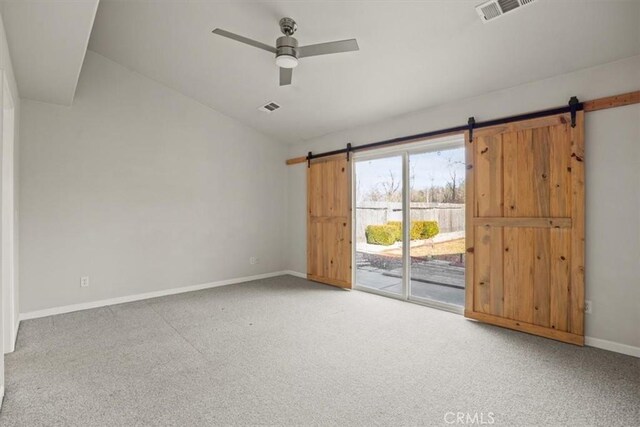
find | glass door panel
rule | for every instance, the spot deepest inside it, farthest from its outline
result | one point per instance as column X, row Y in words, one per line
column 378, row 193
column 437, row 245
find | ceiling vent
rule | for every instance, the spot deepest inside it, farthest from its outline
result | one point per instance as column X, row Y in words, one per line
column 269, row 107
column 493, row 9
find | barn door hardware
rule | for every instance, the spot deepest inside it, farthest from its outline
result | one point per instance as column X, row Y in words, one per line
column 471, row 123
column 573, row 105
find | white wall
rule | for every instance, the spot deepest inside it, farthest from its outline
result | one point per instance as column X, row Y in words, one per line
column 612, row 138
column 7, row 69
column 612, row 174
column 142, row 189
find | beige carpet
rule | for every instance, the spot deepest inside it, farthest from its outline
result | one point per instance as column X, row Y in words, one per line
column 285, row 351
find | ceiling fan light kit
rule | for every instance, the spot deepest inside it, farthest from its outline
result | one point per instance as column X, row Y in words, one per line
column 286, row 61
column 287, row 51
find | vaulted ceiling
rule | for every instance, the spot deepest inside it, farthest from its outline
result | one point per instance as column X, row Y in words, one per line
column 47, row 42
column 413, row 55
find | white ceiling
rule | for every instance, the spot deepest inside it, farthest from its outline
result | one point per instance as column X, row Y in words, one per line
column 413, row 54
column 47, row 42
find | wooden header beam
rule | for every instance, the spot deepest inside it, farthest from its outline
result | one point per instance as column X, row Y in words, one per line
column 297, row 160
column 589, row 106
column 612, row 101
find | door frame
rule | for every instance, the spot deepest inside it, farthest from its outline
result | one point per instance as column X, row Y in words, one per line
column 404, row 151
column 8, row 215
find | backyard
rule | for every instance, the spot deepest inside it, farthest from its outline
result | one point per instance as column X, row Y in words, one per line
column 437, row 268
column 436, row 211
column 451, row 247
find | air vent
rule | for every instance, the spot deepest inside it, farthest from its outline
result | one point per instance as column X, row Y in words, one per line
column 493, row 9
column 508, row 5
column 489, row 11
column 269, row 107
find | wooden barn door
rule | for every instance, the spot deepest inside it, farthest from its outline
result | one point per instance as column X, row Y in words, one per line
column 525, row 227
column 329, row 221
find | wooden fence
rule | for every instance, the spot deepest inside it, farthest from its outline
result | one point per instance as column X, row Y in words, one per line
column 450, row 216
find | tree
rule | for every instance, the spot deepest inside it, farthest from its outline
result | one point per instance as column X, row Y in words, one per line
column 452, row 187
column 390, row 187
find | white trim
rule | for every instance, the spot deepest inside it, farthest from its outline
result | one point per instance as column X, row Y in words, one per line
column 1, row 395
column 406, row 227
column 137, row 297
column 612, row 346
column 420, row 146
column 405, row 151
column 354, row 243
column 452, row 308
column 8, row 196
column 15, row 335
column 13, row 339
column 295, row 273
column 589, row 341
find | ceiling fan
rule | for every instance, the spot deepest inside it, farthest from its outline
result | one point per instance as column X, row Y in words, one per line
column 287, row 50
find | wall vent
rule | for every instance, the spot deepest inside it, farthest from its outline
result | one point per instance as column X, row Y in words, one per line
column 493, row 9
column 269, row 107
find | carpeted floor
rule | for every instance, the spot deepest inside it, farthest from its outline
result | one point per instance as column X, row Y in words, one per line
column 288, row 351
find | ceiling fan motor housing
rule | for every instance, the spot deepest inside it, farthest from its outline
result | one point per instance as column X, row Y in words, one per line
column 288, row 26
column 287, row 45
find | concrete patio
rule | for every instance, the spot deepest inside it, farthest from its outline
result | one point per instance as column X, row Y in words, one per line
column 434, row 280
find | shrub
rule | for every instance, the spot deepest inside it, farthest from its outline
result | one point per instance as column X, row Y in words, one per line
column 416, row 230
column 420, row 230
column 428, row 229
column 397, row 229
column 392, row 232
column 380, row 235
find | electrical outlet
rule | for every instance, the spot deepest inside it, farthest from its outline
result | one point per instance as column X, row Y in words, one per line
column 254, row 260
column 84, row 281
column 588, row 307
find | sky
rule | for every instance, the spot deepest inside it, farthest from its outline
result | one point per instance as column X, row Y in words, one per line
column 428, row 169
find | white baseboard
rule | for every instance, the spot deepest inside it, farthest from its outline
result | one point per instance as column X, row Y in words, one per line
column 589, row 341
column 14, row 338
column 15, row 334
column 612, row 346
column 130, row 298
column 296, row 273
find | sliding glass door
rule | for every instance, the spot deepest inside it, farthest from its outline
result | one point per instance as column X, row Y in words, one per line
column 437, row 215
column 379, row 252
column 409, row 223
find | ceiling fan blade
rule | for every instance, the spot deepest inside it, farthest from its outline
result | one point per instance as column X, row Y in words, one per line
column 285, row 76
column 326, row 48
column 244, row 40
